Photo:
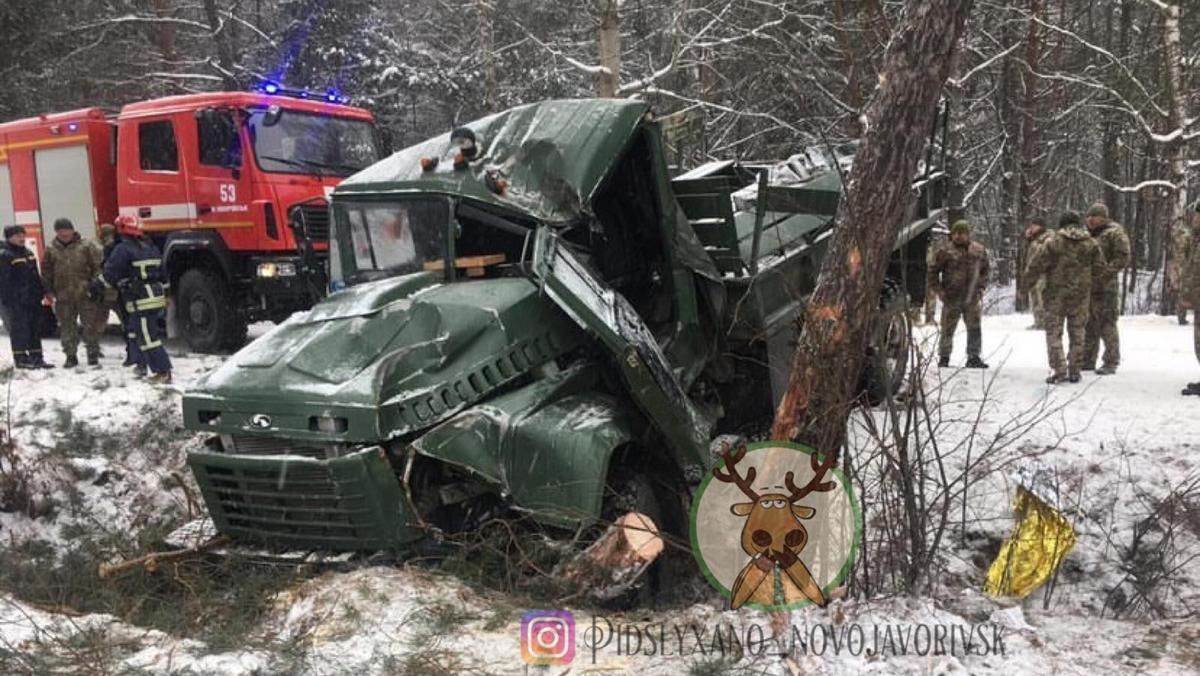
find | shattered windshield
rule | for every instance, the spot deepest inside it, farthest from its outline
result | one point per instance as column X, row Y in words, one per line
column 305, row 143
column 384, row 239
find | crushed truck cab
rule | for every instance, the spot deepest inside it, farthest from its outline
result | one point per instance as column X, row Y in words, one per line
column 524, row 317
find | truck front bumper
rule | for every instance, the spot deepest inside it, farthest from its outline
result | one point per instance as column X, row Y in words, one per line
column 352, row 502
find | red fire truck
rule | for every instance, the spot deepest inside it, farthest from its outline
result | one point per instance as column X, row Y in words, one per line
column 232, row 185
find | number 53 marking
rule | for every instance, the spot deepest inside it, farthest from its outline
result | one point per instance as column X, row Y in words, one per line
column 228, row 192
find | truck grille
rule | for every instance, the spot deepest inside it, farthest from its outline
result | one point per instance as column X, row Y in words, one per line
column 244, row 444
column 316, row 221
column 348, row 503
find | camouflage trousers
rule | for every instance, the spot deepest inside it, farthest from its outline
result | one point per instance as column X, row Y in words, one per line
column 930, row 306
column 1102, row 326
column 1037, row 304
column 1196, row 338
column 971, row 314
column 1076, row 317
column 78, row 318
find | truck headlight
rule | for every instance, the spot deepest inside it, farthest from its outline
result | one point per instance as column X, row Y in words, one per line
column 271, row 270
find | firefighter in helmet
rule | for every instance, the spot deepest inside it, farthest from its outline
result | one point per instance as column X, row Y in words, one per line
column 134, row 268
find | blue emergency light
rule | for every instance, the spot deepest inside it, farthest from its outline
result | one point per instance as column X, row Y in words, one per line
column 275, row 89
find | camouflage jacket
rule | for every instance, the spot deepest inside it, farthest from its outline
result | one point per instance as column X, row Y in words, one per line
column 1191, row 269
column 1035, row 246
column 1072, row 260
column 1114, row 243
column 69, row 267
column 959, row 274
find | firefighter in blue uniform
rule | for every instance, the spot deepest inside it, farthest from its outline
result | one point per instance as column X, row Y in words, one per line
column 21, row 294
column 135, row 268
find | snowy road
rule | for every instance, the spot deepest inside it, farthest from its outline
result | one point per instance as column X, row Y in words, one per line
column 1116, row 442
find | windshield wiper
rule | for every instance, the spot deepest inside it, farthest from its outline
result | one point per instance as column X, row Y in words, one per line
column 311, row 164
column 302, row 164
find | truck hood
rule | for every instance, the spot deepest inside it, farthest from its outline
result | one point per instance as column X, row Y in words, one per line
column 382, row 359
column 554, row 155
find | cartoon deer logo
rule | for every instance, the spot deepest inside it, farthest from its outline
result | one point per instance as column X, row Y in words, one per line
column 773, row 535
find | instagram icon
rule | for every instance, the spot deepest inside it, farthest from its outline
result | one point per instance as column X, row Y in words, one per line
column 548, row 637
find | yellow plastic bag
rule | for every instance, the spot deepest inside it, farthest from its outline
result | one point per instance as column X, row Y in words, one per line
column 1036, row 548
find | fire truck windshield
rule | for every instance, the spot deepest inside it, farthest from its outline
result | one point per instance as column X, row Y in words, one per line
column 305, row 143
column 374, row 240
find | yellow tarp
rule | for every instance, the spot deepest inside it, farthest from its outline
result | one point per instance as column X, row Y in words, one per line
column 1033, row 552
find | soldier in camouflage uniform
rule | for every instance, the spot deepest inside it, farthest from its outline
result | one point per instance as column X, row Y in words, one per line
column 1106, row 292
column 1037, row 236
column 958, row 276
column 1069, row 260
column 1191, row 292
column 71, row 263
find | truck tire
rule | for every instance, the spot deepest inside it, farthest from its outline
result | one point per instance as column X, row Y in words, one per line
column 891, row 343
column 208, row 316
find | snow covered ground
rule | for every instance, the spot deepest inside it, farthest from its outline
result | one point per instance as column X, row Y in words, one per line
column 105, row 452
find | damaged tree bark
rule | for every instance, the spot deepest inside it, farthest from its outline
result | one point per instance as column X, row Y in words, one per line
column 829, row 357
column 612, row 564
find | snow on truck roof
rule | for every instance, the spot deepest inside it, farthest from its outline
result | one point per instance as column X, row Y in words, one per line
column 553, row 155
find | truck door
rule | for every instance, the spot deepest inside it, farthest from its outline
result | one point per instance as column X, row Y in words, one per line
column 157, row 189
column 219, row 185
column 64, row 181
column 8, row 215
column 607, row 315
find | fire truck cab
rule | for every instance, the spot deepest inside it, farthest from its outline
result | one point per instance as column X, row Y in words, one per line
column 232, row 185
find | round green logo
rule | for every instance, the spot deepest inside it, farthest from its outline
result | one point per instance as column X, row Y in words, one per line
column 773, row 529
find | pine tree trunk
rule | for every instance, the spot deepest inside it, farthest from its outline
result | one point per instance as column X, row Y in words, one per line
column 1177, row 153
column 487, row 53
column 225, row 55
column 610, row 48
column 829, row 357
column 1029, row 83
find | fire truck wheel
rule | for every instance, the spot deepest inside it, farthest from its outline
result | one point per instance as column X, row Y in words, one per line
column 207, row 312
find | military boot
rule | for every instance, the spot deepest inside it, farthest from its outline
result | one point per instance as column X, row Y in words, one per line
column 163, row 378
column 944, row 362
column 93, row 359
column 976, row 363
column 1106, row 370
column 1074, row 377
column 1192, row 389
column 1056, row 378
column 71, row 362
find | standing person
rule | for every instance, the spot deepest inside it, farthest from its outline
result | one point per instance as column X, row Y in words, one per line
column 71, row 263
column 958, row 276
column 22, row 296
column 1068, row 260
column 107, row 298
column 135, row 269
column 1185, row 242
column 1037, row 236
column 1191, row 292
column 1106, row 292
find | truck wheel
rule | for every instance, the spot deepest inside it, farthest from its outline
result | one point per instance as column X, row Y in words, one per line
column 208, row 317
column 891, row 342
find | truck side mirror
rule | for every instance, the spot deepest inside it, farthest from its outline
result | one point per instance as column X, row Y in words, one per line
column 271, row 117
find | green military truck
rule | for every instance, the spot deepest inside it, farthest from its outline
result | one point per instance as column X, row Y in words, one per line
column 531, row 315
